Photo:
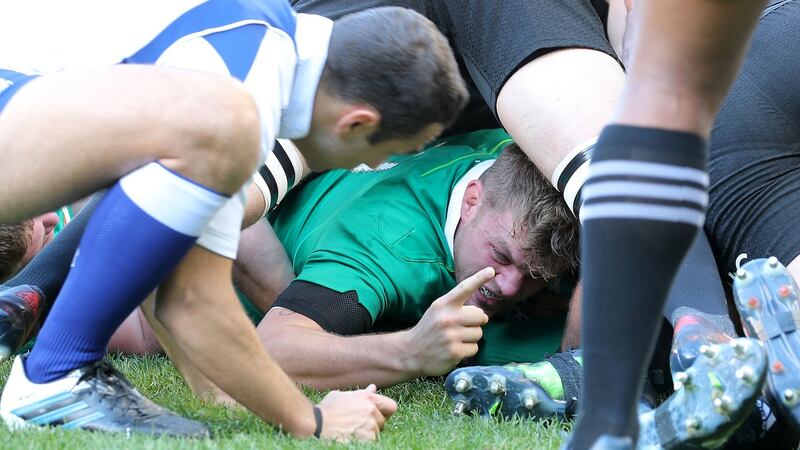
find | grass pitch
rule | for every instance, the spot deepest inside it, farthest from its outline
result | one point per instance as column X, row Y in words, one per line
column 423, row 421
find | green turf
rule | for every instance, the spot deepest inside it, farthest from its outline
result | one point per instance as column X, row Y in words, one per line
column 422, row 422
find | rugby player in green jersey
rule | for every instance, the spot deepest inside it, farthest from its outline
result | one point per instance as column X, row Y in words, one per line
column 379, row 252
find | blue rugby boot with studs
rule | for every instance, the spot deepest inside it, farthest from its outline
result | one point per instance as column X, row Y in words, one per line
column 712, row 398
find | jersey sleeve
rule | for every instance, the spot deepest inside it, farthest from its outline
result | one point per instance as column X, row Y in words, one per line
column 259, row 56
column 283, row 170
column 336, row 312
column 391, row 258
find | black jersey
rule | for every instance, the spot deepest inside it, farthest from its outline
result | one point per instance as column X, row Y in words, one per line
column 494, row 38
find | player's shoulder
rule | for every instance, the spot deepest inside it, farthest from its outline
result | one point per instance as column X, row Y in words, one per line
column 451, row 157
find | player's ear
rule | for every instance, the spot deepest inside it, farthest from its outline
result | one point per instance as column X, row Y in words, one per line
column 473, row 195
column 357, row 121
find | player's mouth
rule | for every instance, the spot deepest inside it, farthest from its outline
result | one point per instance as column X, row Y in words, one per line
column 488, row 297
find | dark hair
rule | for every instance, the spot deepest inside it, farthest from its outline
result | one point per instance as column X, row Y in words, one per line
column 552, row 232
column 397, row 61
column 13, row 245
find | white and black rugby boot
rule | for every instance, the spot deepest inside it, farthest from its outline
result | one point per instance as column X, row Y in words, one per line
column 95, row 397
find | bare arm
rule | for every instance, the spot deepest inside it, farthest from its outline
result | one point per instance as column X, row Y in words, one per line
column 207, row 332
column 262, row 268
column 446, row 334
column 314, row 357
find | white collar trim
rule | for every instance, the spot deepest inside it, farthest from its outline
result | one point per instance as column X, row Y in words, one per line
column 312, row 36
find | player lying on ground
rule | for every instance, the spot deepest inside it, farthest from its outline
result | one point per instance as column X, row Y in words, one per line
column 374, row 250
column 442, row 204
column 176, row 146
column 20, row 242
column 697, row 307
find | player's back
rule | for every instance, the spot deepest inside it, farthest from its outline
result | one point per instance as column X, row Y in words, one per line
column 43, row 36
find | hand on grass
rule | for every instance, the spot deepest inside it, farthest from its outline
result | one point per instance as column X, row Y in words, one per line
column 358, row 415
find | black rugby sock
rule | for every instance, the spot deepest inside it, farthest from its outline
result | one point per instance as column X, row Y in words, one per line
column 698, row 291
column 50, row 267
column 644, row 202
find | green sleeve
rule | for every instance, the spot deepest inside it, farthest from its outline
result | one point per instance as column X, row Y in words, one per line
column 391, row 261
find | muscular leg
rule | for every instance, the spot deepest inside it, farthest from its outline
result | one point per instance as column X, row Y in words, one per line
column 103, row 124
column 100, row 125
column 578, row 87
column 685, row 57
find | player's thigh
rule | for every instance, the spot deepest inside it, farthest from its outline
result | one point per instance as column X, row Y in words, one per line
column 70, row 134
column 754, row 157
column 546, row 68
column 558, row 101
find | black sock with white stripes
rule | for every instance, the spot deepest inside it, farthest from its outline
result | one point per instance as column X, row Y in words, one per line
column 643, row 203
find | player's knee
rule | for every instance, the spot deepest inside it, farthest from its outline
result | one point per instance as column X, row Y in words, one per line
column 220, row 143
column 239, row 132
column 231, row 132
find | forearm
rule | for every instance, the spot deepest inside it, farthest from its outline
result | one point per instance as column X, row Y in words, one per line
column 262, row 268
column 197, row 306
column 325, row 361
column 199, row 383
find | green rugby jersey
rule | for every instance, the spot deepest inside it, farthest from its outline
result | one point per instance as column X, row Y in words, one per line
column 381, row 232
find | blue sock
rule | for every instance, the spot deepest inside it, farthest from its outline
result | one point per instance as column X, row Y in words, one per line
column 138, row 234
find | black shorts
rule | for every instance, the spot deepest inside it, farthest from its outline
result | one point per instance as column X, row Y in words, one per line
column 754, row 165
column 493, row 38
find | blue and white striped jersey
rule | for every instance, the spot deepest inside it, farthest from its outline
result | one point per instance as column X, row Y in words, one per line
column 276, row 54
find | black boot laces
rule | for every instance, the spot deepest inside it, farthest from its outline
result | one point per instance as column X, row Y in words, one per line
column 115, row 390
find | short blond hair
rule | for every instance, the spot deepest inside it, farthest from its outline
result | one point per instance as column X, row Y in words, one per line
column 552, row 232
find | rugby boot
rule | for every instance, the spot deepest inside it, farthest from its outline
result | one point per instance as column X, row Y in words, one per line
column 712, row 398
column 536, row 390
column 766, row 298
column 691, row 333
column 20, row 308
column 95, row 397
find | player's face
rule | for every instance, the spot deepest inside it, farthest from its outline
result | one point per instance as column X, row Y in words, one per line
column 41, row 234
column 486, row 240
